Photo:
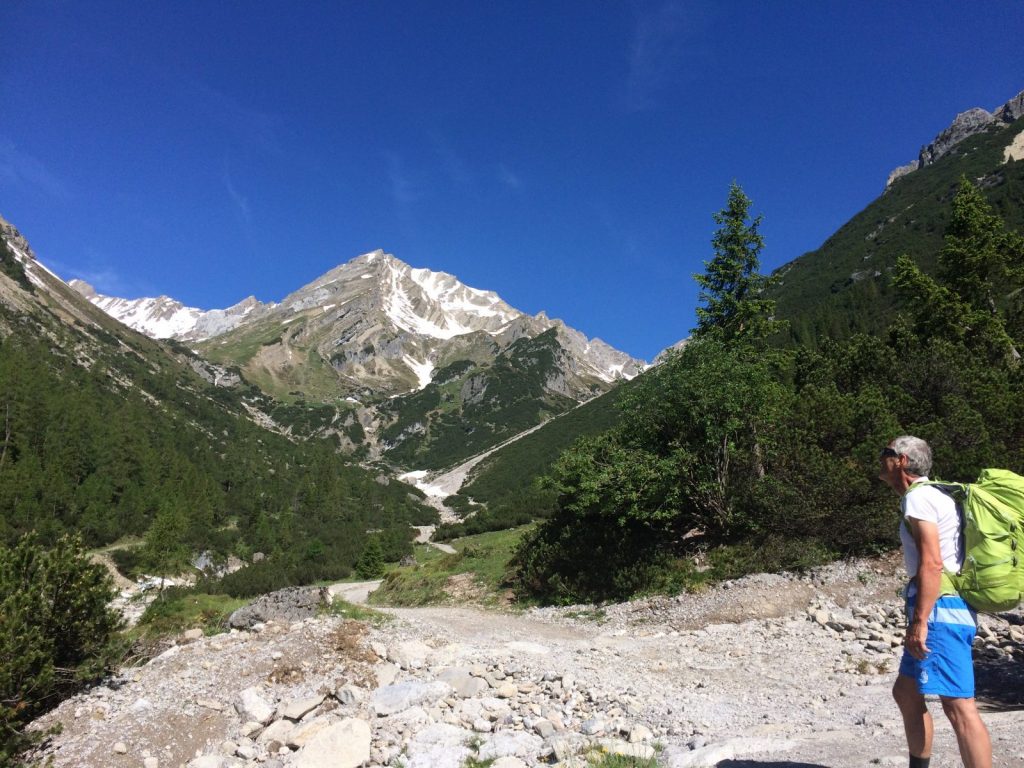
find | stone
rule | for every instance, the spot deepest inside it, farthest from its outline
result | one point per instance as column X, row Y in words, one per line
column 463, row 682
column 508, row 762
column 252, row 704
column 249, row 728
column 438, row 746
column 385, row 674
column 395, row 698
column 150, row 762
column 411, row 654
column 625, row 749
column 301, row 734
column 296, row 710
column 191, row 635
column 507, row 690
column 349, row 694
column 510, row 744
column 640, row 733
column 208, row 761
column 285, row 605
column 676, row 757
column 544, row 728
column 345, row 744
column 120, row 748
column 216, row 706
column 278, row 731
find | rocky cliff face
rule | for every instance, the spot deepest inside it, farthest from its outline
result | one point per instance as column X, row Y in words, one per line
column 11, row 234
column 965, row 124
column 377, row 325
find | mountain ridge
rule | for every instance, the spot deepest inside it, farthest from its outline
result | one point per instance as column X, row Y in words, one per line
column 964, row 125
column 430, row 309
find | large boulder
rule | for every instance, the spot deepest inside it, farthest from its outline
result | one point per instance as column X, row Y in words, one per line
column 285, row 605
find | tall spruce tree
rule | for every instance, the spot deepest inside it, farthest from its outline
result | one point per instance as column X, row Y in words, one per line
column 731, row 289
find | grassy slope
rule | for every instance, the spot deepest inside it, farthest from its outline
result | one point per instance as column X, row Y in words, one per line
column 514, row 467
column 843, row 287
column 482, row 558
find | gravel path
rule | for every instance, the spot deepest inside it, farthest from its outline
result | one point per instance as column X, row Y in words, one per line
column 776, row 671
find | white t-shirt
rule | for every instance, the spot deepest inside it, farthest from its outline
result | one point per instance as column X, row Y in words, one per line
column 930, row 504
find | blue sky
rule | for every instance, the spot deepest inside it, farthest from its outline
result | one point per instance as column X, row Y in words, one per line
column 568, row 155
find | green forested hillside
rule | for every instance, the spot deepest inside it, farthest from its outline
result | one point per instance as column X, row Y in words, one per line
column 845, row 286
column 104, row 432
column 735, row 456
column 472, row 408
column 506, row 488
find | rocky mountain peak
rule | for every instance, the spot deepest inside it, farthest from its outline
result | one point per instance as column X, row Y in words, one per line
column 964, row 125
column 11, row 234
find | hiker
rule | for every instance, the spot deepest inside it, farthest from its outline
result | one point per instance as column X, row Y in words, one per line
column 940, row 627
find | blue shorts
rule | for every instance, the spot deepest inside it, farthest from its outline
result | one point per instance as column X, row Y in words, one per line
column 948, row 669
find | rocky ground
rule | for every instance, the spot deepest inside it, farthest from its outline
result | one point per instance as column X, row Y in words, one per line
column 780, row 671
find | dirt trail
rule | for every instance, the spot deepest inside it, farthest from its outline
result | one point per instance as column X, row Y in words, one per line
column 744, row 661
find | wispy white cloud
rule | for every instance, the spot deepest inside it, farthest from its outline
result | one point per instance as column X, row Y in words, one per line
column 18, row 168
column 508, row 177
column 454, row 167
column 656, row 52
column 403, row 189
column 240, row 201
column 252, row 126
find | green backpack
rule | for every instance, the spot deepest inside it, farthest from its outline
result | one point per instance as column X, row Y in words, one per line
column 992, row 509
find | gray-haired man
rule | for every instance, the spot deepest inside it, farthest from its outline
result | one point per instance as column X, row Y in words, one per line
column 940, row 627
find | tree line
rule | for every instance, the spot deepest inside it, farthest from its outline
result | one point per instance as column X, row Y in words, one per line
column 739, row 454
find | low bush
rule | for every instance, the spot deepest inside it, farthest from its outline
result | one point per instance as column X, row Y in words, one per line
column 57, row 633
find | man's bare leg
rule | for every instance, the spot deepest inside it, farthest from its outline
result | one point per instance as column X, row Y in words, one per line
column 971, row 733
column 917, row 720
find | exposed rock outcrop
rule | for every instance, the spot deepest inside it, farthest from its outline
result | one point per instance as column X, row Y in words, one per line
column 965, row 125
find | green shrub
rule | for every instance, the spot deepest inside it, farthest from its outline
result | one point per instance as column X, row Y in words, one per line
column 181, row 608
column 57, row 632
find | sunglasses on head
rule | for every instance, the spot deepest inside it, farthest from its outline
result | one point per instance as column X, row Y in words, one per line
column 886, row 452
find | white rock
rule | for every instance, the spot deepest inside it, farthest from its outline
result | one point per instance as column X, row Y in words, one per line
column 279, row 731
column 341, row 745
column 508, row 762
column 619, row 747
column 411, row 654
column 252, row 704
column 675, row 757
column 120, row 748
column 385, row 674
column 301, row 734
column 395, row 698
column 296, row 710
column 640, row 733
column 438, row 746
column 510, row 744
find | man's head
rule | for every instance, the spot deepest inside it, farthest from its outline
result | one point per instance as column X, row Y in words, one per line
column 903, row 460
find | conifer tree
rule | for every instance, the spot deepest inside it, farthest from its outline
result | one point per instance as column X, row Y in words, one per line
column 731, row 289
column 981, row 272
column 371, row 562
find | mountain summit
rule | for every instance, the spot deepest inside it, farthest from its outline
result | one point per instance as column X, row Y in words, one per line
column 377, row 322
column 397, row 362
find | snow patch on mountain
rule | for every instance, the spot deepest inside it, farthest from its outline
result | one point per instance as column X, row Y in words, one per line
column 424, row 371
column 437, row 305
